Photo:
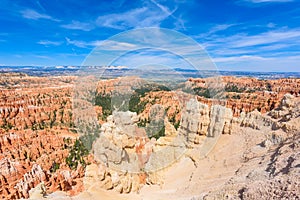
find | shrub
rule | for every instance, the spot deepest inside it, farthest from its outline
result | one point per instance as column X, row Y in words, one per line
column 77, row 154
column 55, row 166
column 156, row 129
column 104, row 100
column 233, row 88
column 176, row 125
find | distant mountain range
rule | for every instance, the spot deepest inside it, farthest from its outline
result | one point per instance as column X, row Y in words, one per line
column 116, row 71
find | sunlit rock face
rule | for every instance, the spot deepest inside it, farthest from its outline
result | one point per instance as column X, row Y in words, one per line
column 198, row 120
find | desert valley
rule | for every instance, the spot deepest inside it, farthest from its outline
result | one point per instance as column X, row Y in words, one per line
column 184, row 141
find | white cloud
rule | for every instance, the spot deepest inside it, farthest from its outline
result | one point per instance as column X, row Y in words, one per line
column 163, row 8
column 229, row 52
column 179, row 23
column 114, row 45
column 78, row 43
column 220, row 27
column 151, row 15
column 268, row 1
column 105, row 44
column 274, row 47
column 34, row 15
column 258, row 3
column 271, row 40
column 266, row 51
column 76, row 25
column 215, row 29
column 267, row 64
column 135, row 18
column 42, row 57
column 49, row 43
column 267, row 38
column 239, row 58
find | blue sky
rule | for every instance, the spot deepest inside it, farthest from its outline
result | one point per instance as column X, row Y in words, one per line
column 250, row 35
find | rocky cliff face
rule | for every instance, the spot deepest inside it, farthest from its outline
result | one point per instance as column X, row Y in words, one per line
column 122, row 152
column 198, row 120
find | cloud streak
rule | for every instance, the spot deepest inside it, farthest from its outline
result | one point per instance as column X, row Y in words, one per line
column 105, row 44
column 34, row 15
column 179, row 22
column 269, row 1
column 148, row 16
column 135, row 18
column 278, row 48
column 215, row 29
column 82, row 44
column 49, row 43
column 239, row 58
column 76, row 25
column 268, row 38
column 272, row 40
